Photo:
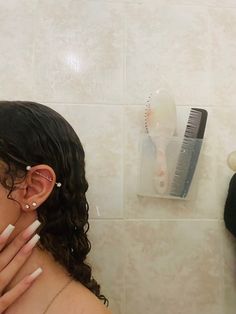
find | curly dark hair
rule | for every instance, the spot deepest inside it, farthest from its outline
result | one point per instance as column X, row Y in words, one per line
column 31, row 134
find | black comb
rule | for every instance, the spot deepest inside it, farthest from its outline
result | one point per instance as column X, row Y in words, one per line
column 189, row 152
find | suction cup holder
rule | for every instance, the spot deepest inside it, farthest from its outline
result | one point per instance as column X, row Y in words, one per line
column 182, row 158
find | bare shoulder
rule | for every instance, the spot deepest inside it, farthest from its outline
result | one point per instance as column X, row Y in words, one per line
column 77, row 299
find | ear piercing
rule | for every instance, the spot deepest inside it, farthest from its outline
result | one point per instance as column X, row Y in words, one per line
column 33, row 204
column 58, row 184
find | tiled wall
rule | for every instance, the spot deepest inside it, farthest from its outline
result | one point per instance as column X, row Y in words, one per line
column 95, row 62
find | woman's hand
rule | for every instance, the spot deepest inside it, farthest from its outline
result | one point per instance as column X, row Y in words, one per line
column 12, row 257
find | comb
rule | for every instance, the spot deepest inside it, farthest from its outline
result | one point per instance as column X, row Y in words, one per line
column 189, row 153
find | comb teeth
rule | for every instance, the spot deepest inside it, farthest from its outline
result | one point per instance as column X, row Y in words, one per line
column 147, row 113
column 193, row 123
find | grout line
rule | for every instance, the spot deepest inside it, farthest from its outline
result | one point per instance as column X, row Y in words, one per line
column 124, row 52
column 209, row 60
column 123, row 161
column 64, row 103
column 35, row 34
column 157, row 219
column 207, row 6
column 143, row 2
column 124, row 301
column 124, row 108
column 82, row 104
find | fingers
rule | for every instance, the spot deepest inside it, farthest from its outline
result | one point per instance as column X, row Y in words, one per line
column 8, row 298
column 13, row 267
column 5, row 235
column 12, row 256
column 10, row 251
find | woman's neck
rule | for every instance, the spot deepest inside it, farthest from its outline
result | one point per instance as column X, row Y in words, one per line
column 43, row 289
column 38, row 258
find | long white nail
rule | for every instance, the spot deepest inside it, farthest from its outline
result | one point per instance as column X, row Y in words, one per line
column 30, row 230
column 29, row 245
column 35, row 274
column 6, row 233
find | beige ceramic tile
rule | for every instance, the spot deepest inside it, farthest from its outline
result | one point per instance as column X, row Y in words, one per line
column 223, row 50
column 208, row 201
column 16, row 49
column 100, row 129
column 108, row 260
column 173, row 267
column 167, row 44
column 79, row 52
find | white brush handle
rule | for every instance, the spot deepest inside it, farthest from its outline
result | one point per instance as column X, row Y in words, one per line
column 161, row 171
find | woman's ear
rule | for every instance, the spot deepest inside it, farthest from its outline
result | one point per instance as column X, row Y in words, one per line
column 37, row 186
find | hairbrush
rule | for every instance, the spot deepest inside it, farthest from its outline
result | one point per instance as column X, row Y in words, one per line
column 160, row 124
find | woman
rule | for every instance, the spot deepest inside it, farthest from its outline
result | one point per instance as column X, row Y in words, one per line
column 42, row 176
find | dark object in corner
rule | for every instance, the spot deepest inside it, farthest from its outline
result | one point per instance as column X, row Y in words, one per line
column 230, row 207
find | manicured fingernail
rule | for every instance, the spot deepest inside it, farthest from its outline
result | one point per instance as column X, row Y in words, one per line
column 29, row 245
column 6, row 233
column 30, row 230
column 35, row 274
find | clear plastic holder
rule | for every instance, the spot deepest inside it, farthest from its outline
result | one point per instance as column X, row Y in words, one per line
column 182, row 155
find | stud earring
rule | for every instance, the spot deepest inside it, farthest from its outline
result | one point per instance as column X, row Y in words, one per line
column 33, row 204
